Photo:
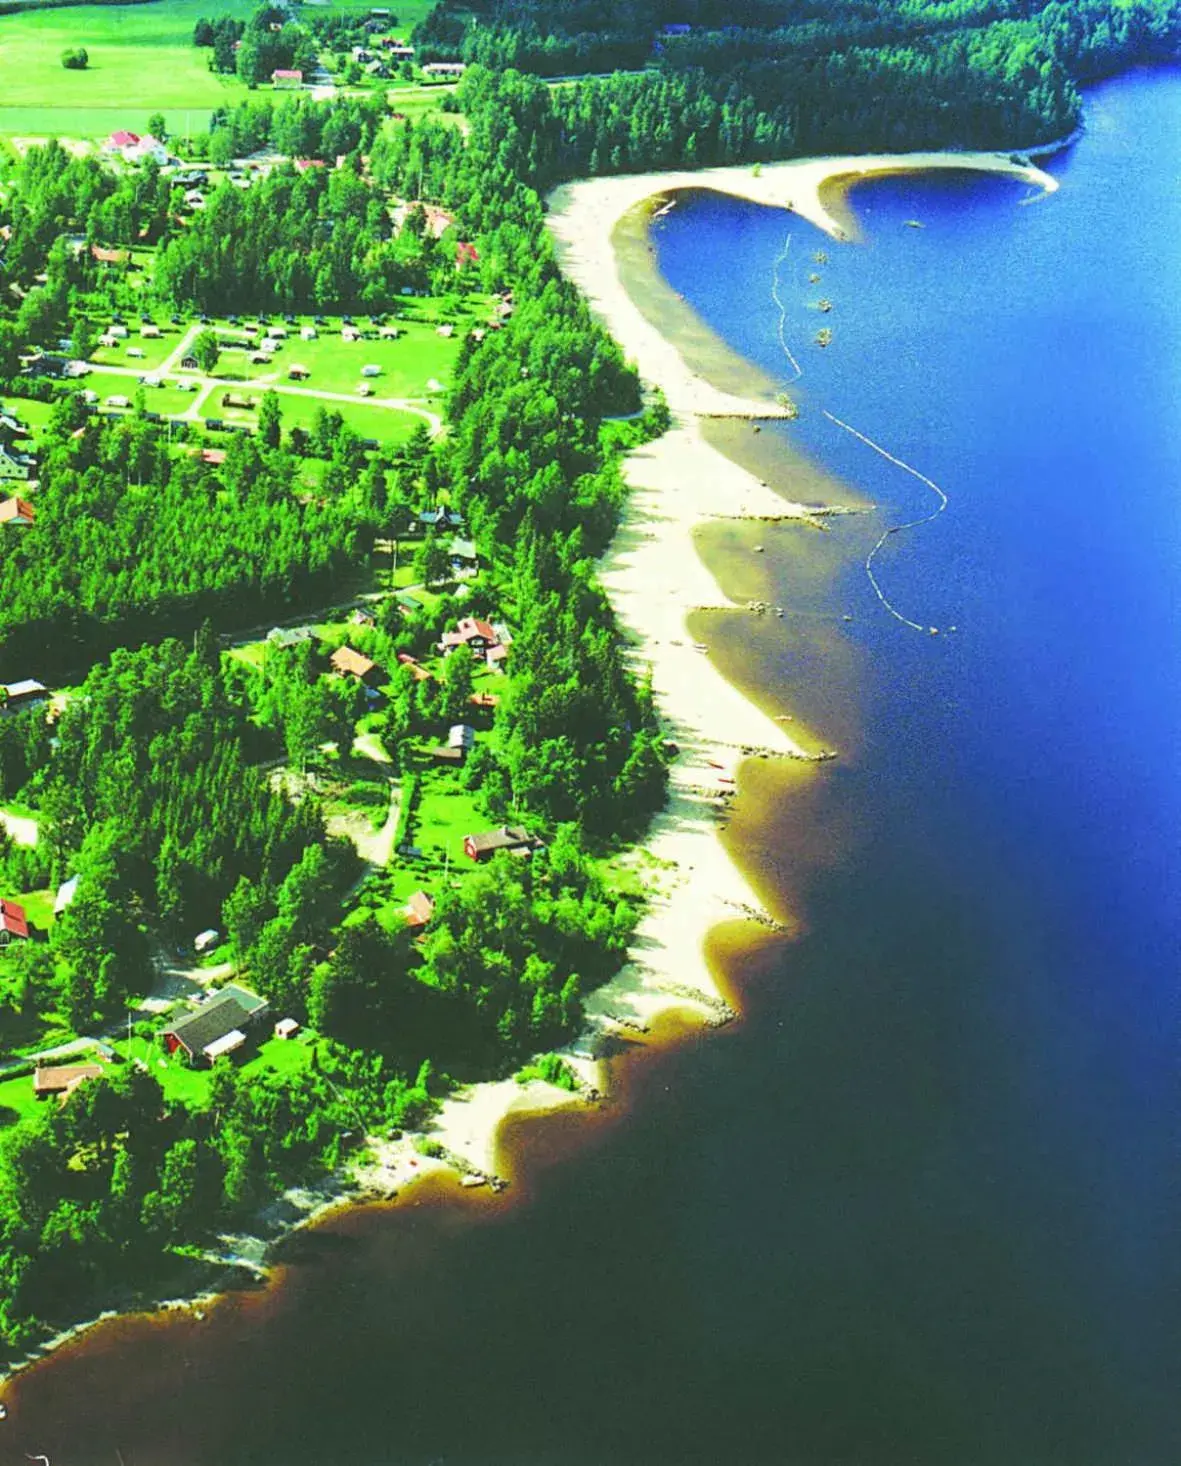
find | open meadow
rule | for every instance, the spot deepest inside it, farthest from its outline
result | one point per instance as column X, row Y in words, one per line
column 142, row 60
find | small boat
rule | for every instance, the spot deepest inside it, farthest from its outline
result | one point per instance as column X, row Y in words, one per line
column 700, row 646
column 3, row 1412
column 915, row 224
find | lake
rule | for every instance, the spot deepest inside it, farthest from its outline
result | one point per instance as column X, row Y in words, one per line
column 921, row 1205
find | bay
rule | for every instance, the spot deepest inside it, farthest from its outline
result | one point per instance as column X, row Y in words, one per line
column 922, row 1204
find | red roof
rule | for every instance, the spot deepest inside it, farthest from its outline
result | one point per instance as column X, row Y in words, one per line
column 279, row 74
column 13, row 920
column 17, row 509
column 213, row 455
column 303, row 164
column 107, row 256
column 466, row 253
column 124, row 139
column 472, row 626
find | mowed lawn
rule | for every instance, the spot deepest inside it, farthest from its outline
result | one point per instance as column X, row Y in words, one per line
column 191, row 1085
column 168, row 401
column 386, row 424
column 16, row 1099
column 152, row 351
column 407, row 365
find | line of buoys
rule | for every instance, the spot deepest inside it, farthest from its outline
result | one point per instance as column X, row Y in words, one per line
column 895, row 528
column 796, row 367
column 823, row 337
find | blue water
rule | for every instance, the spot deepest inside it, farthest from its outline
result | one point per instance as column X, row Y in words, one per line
column 921, row 1208
column 1018, row 791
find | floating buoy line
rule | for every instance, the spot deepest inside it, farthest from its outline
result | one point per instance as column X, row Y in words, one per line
column 895, row 528
column 820, row 258
column 796, row 367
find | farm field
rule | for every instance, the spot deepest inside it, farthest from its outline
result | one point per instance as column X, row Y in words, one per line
column 140, row 51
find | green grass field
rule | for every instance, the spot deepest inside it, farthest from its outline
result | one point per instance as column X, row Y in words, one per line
column 16, row 1099
column 408, row 364
column 386, row 424
column 142, row 60
column 153, row 351
column 38, row 907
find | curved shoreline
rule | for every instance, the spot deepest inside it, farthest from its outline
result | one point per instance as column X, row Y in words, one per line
column 655, row 578
column 652, row 571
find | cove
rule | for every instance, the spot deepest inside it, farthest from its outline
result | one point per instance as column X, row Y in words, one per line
column 922, row 1204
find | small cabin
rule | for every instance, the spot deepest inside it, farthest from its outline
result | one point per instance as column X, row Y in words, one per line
column 513, row 839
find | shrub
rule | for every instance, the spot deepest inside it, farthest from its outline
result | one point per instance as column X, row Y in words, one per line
column 75, row 58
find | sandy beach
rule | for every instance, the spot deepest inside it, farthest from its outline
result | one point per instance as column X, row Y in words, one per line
column 654, row 578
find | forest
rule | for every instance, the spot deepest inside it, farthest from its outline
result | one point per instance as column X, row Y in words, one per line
column 152, row 780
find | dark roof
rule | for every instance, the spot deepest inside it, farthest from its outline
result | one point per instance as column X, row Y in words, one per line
column 216, row 1017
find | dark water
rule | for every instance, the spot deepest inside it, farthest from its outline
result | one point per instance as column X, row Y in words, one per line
column 922, row 1206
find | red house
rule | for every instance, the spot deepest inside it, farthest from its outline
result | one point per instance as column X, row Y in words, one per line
column 14, row 924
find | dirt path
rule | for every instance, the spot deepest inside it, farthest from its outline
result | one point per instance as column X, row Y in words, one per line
column 206, row 385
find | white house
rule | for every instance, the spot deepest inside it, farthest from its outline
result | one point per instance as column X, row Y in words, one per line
column 147, row 147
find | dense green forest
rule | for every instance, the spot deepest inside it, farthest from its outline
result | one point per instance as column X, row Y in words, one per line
column 135, row 540
column 153, row 780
